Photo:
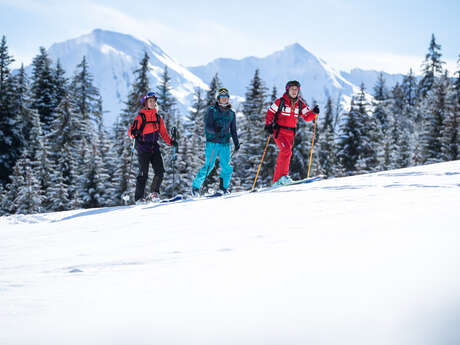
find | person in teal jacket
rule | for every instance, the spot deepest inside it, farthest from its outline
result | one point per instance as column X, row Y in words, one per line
column 220, row 125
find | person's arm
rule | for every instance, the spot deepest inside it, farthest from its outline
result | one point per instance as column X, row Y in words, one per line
column 135, row 126
column 272, row 111
column 307, row 114
column 234, row 133
column 164, row 133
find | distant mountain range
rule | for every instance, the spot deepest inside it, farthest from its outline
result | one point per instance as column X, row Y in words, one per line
column 112, row 58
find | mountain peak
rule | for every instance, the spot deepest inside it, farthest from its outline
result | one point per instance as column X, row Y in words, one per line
column 296, row 47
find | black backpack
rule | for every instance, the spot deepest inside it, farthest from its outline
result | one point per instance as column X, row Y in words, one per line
column 138, row 132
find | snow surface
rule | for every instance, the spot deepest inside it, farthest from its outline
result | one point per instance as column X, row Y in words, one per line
column 371, row 259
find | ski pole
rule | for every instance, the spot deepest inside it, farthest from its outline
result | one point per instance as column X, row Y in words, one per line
column 174, row 136
column 261, row 161
column 312, row 143
column 126, row 196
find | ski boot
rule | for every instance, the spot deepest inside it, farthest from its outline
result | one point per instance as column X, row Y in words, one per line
column 221, row 187
column 153, row 197
column 195, row 192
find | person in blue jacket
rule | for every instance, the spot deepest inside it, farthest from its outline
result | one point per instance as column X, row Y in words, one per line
column 220, row 125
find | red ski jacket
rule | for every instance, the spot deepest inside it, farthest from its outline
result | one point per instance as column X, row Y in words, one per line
column 154, row 125
column 289, row 114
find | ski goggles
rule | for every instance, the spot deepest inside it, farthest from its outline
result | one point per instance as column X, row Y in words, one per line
column 147, row 96
column 292, row 83
column 223, row 92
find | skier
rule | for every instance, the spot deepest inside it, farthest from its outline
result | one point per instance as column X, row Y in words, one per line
column 281, row 121
column 146, row 128
column 220, row 124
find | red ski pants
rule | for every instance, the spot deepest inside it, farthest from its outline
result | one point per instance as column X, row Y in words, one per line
column 284, row 141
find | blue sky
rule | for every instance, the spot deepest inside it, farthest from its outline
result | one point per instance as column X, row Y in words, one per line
column 385, row 35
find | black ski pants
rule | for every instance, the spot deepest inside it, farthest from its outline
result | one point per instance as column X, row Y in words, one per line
column 145, row 159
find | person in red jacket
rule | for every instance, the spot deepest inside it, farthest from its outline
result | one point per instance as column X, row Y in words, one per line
column 146, row 128
column 281, row 121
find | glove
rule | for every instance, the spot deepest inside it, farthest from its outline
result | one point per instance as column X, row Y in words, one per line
column 316, row 109
column 269, row 128
column 237, row 147
column 174, row 143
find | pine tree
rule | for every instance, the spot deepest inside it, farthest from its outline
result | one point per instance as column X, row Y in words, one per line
column 166, row 100
column 58, row 191
column 104, row 147
column 435, row 110
column 348, row 141
column 10, row 131
column 380, row 89
column 195, row 133
column 450, row 138
column 268, row 168
column 370, row 136
column 252, row 132
column 167, row 104
column 85, row 96
column 431, row 67
column 124, row 174
column 25, row 189
column 66, row 133
column 326, row 144
column 43, row 89
column 27, row 192
column 409, row 88
column 60, row 83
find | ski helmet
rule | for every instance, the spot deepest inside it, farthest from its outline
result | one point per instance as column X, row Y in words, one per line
column 292, row 83
column 147, row 96
column 222, row 92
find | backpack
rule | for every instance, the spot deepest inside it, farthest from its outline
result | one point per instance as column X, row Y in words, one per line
column 280, row 109
column 138, row 132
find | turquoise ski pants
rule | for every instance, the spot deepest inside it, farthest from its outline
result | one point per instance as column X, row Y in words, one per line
column 214, row 150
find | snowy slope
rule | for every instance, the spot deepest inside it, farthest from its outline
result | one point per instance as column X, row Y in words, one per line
column 293, row 62
column 112, row 58
column 372, row 259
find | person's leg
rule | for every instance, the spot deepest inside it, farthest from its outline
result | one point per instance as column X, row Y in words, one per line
column 144, row 161
column 210, row 159
column 284, row 143
column 225, row 167
column 158, row 168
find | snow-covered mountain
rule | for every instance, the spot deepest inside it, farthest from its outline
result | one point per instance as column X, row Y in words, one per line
column 369, row 78
column 369, row 259
column 112, row 58
column 318, row 79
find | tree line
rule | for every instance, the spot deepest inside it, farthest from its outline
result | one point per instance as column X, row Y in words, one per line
column 56, row 154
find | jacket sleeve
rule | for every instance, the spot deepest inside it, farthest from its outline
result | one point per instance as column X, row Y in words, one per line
column 307, row 114
column 233, row 131
column 135, row 126
column 164, row 133
column 209, row 122
column 272, row 111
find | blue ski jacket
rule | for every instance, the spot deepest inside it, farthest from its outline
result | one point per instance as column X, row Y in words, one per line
column 220, row 125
